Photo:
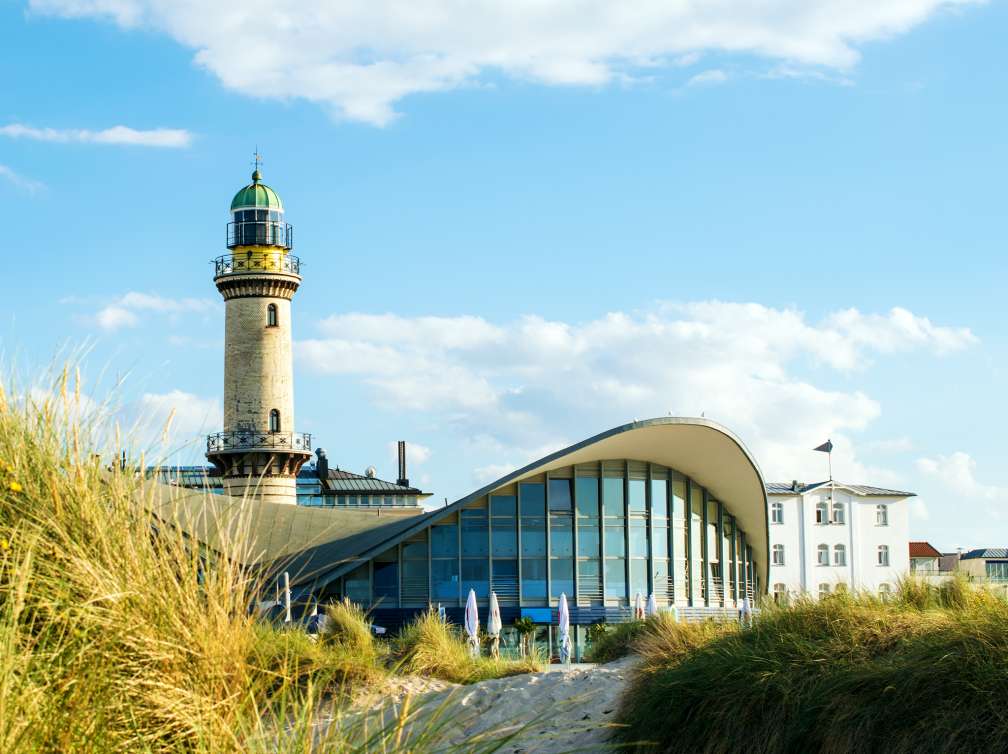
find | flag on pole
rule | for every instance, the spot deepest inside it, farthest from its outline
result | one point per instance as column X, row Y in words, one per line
column 826, row 447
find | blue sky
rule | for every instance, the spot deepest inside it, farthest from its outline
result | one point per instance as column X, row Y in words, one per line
column 521, row 227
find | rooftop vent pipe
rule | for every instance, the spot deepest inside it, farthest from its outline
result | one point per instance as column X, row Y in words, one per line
column 403, row 480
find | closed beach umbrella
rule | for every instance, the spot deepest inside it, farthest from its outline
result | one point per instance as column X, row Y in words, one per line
column 563, row 621
column 494, row 624
column 638, row 607
column 652, row 605
column 472, row 623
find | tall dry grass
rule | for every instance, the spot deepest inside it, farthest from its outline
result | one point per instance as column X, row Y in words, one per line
column 927, row 669
column 117, row 634
column 432, row 648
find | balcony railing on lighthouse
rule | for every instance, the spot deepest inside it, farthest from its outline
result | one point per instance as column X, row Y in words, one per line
column 241, row 440
column 251, row 263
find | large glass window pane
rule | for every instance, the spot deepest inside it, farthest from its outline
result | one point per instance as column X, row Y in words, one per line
column 696, row 541
column 612, row 496
column 475, row 535
column 590, row 577
column 639, row 577
column 533, row 579
column 503, row 505
column 638, row 538
column 615, row 545
column 659, row 542
column 637, row 501
column 505, row 538
column 560, row 497
column 357, row 585
column 678, row 498
column 659, row 499
column 588, row 541
column 562, row 575
column 444, row 541
column 445, row 578
column 587, row 496
column 533, row 537
column 533, row 499
column 475, row 575
column 561, row 536
column 415, row 550
column 386, row 584
column 615, row 578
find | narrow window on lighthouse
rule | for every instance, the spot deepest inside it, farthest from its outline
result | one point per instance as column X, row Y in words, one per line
column 274, row 421
column 271, row 315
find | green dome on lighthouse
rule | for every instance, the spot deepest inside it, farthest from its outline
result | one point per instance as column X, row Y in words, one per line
column 257, row 196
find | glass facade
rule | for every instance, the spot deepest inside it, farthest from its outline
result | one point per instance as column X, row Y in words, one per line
column 600, row 533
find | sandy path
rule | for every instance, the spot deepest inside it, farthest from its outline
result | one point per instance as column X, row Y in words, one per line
column 558, row 711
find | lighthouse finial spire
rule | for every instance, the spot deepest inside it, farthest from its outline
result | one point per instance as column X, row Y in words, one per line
column 257, row 162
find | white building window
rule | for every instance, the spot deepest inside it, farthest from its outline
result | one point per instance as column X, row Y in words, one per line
column 881, row 515
column 838, row 513
column 884, row 590
column 839, row 555
column 883, row 555
column 823, row 558
column 779, row 593
column 822, row 513
column 777, row 513
column 777, row 555
column 824, row 590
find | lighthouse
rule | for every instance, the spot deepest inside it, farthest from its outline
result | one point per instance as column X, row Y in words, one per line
column 258, row 453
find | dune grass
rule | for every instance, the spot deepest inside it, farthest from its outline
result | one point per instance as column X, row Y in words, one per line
column 432, row 648
column 118, row 635
column 926, row 669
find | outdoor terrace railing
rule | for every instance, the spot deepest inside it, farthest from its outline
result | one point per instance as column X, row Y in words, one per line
column 225, row 442
column 251, row 264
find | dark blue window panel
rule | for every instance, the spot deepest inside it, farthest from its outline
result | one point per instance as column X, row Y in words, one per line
column 475, row 535
column 445, row 579
column 562, row 578
column 444, row 541
column 533, row 499
column 533, row 579
column 505, row 540
column 386, row 584
column 533, row 537
column 561, row 496
column 503, row 505
column 588, row 541
column 415, row 550
column 475, row 575
column 586, row 489
column 561, row 536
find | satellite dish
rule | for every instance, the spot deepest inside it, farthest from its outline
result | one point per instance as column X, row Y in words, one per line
column 371, row 472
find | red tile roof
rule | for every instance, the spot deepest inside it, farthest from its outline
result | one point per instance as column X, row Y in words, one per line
column 923, row 550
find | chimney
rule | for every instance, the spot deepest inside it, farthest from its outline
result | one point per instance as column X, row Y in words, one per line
column 321, row 464
column 403, row 480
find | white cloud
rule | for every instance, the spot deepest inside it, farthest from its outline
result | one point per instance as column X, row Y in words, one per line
column 19, row 181
column 530, row 384
column 157, row 137
column 124, row 311
column 360, row 58
column 168, row 421
column 707, row 78
column 957, row 473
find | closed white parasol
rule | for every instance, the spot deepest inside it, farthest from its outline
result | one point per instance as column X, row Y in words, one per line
column 563, row 621
column 472, row 623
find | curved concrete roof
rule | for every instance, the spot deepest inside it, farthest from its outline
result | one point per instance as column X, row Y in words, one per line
column 702, row 449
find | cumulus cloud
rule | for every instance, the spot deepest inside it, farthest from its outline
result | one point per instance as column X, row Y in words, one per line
column 957, row 473
column 27, row 185
column 157, row 137
column 531, row 384
column 167, row 422
column 125, row 311
column 360, row 58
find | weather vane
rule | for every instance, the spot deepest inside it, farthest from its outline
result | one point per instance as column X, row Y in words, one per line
column 256, row 158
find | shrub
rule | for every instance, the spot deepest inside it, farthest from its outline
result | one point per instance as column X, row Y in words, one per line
column 847, row 673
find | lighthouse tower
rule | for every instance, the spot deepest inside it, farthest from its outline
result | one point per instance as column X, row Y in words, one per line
column 258, row 453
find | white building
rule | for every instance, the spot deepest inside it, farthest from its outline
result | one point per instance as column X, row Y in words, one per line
column 828, row 535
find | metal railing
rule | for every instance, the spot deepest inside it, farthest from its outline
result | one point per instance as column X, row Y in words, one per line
column 225, row 442
column 251, row 264
column 260, row 233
